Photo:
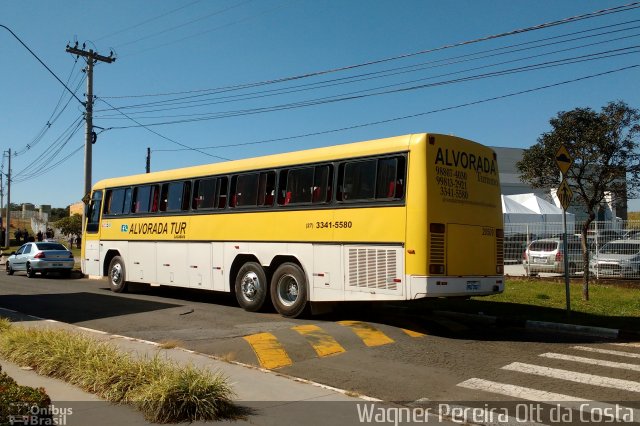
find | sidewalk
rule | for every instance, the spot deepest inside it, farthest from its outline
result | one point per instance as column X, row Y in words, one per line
column 271, row 398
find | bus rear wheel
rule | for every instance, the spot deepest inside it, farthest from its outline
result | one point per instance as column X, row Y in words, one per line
column 251, row 287
column 117, row 275
column 289, row 290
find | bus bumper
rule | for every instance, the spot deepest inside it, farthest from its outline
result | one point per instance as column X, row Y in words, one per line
column 422, row 287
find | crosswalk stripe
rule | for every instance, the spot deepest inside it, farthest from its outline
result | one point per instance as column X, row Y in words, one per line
column 517, row 391
column 269, row 351
column 629, row 345
column 607, row 351
column 412, row 333
column 530, row 394
column 323, row 343
column 370, row 335
column 573, row 376
column 600, row 362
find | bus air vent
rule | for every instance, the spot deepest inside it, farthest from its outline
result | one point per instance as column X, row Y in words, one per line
column 372, row 268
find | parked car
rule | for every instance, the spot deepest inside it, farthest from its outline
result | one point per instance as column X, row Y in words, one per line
column 514, row 244
column 618, row 258
column 547, row 255
column 42, row 257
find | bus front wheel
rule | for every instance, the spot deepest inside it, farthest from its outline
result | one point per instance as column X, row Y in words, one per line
column 117, row 275
column 251, row 287
column 289, row 290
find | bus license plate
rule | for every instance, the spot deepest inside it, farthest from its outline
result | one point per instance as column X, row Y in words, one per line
column 473, row 285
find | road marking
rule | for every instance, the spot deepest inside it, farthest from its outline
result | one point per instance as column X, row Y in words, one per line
column 629, row 345
column 600, row 362
column 607, row 351
column 516, row 391
column 529, row 394
column 323, row 343
column 573, row 376
column 269, row 351
column 370, row 335
column 412, row 333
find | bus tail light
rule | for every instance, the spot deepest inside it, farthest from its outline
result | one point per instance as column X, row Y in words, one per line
column 499, row 269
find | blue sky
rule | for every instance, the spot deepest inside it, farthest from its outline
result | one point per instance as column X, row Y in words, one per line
column 188, row 49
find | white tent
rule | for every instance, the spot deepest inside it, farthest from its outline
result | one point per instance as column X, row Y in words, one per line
column 514, row 212
column 549, row 214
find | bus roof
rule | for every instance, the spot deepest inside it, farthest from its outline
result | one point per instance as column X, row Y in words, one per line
column 329, row 153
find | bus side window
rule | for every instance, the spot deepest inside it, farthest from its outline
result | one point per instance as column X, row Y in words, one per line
column 266, row 188
column 282, row 187
column 223, row 183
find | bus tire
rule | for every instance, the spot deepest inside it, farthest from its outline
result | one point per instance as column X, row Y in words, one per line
column 117, row 275
column 251, row 287
column 289, row 291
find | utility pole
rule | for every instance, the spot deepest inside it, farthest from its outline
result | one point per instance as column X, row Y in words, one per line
column 148, row 169
column 90, row 136
column 6, row 234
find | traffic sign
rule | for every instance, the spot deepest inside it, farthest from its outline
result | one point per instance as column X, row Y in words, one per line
column 565, row 194
column 563, row 159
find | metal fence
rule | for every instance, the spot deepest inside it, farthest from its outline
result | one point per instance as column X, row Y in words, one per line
column 537, row 249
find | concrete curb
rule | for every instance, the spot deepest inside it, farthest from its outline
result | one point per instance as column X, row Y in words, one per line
column 582, row 330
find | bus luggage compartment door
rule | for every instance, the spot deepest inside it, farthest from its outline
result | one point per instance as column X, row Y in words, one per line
column 471, row 250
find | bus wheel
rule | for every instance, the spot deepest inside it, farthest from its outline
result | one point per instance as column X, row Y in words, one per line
column 117, row 275
column 289, row 290
column 251, row 287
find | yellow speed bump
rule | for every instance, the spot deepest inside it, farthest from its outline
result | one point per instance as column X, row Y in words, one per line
column 320, row 340
column 412, row 333
column 370, row 335
column 269, row 351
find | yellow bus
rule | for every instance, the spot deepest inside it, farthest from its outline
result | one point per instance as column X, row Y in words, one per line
column 401, row 218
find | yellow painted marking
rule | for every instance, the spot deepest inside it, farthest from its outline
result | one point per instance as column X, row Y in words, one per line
column 269, row 351
column 322, row 343
column 413, row 333
column 370, row 335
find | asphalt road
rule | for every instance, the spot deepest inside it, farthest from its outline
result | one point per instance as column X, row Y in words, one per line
column 394, row 353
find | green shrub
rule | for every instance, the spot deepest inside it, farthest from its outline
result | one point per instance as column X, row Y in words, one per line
column 163, row 391
column 16, row 400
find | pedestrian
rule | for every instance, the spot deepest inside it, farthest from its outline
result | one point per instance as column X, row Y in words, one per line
column 78, row 241
column 71, row 242
column 39, row 236
column 18, row 235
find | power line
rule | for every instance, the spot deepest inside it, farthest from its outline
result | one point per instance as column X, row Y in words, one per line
column 148, row 20
column 362, row 94
column 43, row 64
column 590, row 15
column 269, row 93
column 162, row 136
column 405, row 117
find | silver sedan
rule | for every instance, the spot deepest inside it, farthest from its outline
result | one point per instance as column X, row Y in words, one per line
column 41, row 257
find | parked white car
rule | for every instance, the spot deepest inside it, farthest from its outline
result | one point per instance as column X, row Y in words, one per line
column 42, row 257
column 618, row 258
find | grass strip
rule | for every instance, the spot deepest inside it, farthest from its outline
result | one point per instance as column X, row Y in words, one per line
column 611, row 305
column 163, row 391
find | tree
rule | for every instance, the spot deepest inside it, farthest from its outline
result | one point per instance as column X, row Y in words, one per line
column 604, row 148
column 58, row 213
column 70, row 225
